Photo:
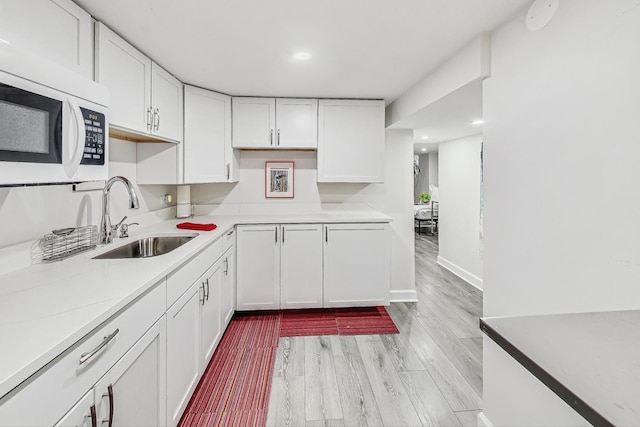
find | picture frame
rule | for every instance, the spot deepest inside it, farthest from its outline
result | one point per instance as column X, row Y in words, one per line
column 278, row 179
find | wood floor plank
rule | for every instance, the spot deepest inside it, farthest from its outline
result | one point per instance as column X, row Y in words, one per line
column 290, row 357
column 457, row 353
column 286, row 404
column 403, row 356
column 394, row 404
column 463, row 323
column 468, row 418
column 429, row 402
column 326, row 423
column 474, row 345
column 458, row 392
column 359, row 406
column 322, row 400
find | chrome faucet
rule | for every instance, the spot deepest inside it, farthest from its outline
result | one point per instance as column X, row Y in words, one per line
column 106, row 229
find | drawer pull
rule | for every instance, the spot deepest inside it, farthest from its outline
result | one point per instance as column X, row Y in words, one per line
column 86, row 356
column 230, row 233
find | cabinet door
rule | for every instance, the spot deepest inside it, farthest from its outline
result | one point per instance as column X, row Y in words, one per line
column 228, row 294
column 166, row 103
column 254, row 122
column 301, row 266
column 133, row 392
column 81, row 414
column 126, row 72
column 350, row 141
column 210, row 312
column 356, row 265
column 58, row 30
column 183, row 351
column 207, row 135
column 296, row 123
column 258, row 267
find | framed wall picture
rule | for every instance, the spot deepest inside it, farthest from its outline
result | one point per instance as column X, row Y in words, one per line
column 278, row 179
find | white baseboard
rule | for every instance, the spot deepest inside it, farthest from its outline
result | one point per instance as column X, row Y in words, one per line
column 405, row 295
column 470, row 278
column 483, row 421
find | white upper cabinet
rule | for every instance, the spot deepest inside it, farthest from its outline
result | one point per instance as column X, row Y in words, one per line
column 145, row 99
column 275, row 123
column 58, row 30
column 166, row 104
column 296, row 123
column 254, row 122
column 208, row 155
column 350, row 141
column 127, row 74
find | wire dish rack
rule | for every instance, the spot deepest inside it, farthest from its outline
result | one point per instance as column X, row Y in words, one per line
column 63, row 243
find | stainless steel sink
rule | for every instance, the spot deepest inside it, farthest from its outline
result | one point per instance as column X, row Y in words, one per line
column 147, row 247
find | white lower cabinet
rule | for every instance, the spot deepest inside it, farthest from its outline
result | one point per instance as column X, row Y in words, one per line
column 119, row 397
column 356, row 265
column 307, row 265
column 228, row 292
column 83, row 414
column 183, row 351
column 258, row 267
column 210, row 318
column 301, row 266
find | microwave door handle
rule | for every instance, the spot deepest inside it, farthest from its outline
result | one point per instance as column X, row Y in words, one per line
column 71, row 161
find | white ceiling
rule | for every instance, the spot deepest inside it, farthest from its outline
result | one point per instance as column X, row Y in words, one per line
column 448, row 118
column 359, row 48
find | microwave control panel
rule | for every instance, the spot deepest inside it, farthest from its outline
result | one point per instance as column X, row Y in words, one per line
column 95, row 140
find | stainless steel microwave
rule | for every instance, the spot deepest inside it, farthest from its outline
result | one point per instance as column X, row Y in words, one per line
column 54, row 124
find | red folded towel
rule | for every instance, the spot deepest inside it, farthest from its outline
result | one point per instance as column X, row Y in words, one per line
column 196, row 226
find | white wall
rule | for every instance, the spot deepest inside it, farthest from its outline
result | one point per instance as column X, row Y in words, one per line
column 562, row 143
column 433, row 169
column 27, row 213
column 459, row 194
column 394, row 197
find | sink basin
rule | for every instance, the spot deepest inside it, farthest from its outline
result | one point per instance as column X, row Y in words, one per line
column 147, row 247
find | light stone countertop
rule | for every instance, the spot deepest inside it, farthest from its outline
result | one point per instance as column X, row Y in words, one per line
column 590, row 360
column 46, row 308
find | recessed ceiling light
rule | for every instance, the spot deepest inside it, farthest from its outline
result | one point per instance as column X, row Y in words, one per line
column 301, row 56
column 424, row 137
column 424, row 149
column 477, row 122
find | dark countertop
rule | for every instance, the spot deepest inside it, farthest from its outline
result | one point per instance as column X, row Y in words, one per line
column 590, row 360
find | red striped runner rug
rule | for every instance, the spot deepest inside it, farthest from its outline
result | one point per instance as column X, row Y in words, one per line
column 234, row 390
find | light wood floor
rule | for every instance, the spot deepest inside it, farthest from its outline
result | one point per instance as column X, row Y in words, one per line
column 430, row 374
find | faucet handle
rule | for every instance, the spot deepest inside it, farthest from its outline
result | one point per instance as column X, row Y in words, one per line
column 124, row 229
column 115, row 227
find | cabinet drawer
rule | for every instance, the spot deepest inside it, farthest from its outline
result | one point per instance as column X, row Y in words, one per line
column 179, row 281
column 45, row 397
column 228, row 240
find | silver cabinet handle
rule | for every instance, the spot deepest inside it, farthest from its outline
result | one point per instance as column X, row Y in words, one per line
column 326, row 234
column 109, row 393
column 149, row 119
column 228, row 171
column 278, row 138
column 271, row 137
column 156, row 123
column 203, row 294
column 207, row 294
column 276, row 234
column 283, row 235
column 86, row 356
column 226, row 266
column 230, row 233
